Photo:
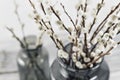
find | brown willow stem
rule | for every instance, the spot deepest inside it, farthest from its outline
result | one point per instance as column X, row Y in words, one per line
column 43, row 9
column 100, row 56
column 99, row 8
column 21, row 24
column 15, row 36
column 68, row 16
column 76, row 22
column 94, row 20
column 32, row 4
column 60, row 19
column 53, row 37
column 108, row 29
column 85, row 8
column 99, row 26
column 96, row 32
column 85, row 44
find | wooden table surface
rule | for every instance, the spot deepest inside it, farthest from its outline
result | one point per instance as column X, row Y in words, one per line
column 9, row 51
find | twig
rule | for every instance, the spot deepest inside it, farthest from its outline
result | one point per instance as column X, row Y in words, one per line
column 102, row 26
column 68, row 16
column 53, row 37
column 43, row 9
column 83, row 21
column 85, row 44
column 60, row 19
column 107, row 30
column 83, row 17
column 85, row 8
column 15, row 36
column 76, row 22
column 99, row 26
column 42, row 22
column 94, row 46
column 94, row 20
column 32, row 5
column 101, row 55
column 21, row 24
column 100, row 7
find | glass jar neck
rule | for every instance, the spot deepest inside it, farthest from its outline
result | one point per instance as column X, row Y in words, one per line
column 32, row 52
column 67, row 71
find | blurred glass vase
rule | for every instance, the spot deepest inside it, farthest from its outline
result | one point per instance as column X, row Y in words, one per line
column 33, row 61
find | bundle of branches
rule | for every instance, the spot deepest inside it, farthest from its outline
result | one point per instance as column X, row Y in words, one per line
column 88, row 47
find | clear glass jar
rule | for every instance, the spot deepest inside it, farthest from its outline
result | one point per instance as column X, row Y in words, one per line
column 60, row 71
column 33, row 63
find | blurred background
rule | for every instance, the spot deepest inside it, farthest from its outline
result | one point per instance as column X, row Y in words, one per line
column 9, row 47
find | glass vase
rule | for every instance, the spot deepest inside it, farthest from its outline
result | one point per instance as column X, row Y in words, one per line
column 33, row 63
column 60, row 71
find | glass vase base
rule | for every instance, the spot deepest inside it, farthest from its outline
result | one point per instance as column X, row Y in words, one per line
column 58, row 73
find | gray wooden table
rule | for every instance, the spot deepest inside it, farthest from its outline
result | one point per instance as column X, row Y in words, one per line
column 9, row 51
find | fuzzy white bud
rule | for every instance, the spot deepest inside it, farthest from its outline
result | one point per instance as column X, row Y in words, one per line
column 114, row 17
column 94, row 41
column 97, row 51
column 75, row 48
column 74, row 57
column 113, row 34
column 106, row 36
column 62, row 54
column 99, row 60
column 92, row 54
column 83, row 54
column 79, row 65
column 91, row 65
column 86, row 59
column 49, row 32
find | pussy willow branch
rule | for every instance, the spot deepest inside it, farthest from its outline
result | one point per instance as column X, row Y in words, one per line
column 94, row 46
column 85, row 44
column 43, row 9
column 108, row 29
column 85, row 8
column 42, row 22
column 102, row 26
column 94, row 20
column 15, row 36
column 21, row 24
column 102, row 2
column 83, row 17
column 53, row 37
column 68, row 16
column 60, row 19
column 85, row 34
column 54, row 40
column 76, row 21
column 33, row 6
column 99, row 26
column 71, row 21
column 100, row 56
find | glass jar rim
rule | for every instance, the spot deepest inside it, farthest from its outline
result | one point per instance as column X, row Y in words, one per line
column 74, row 70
